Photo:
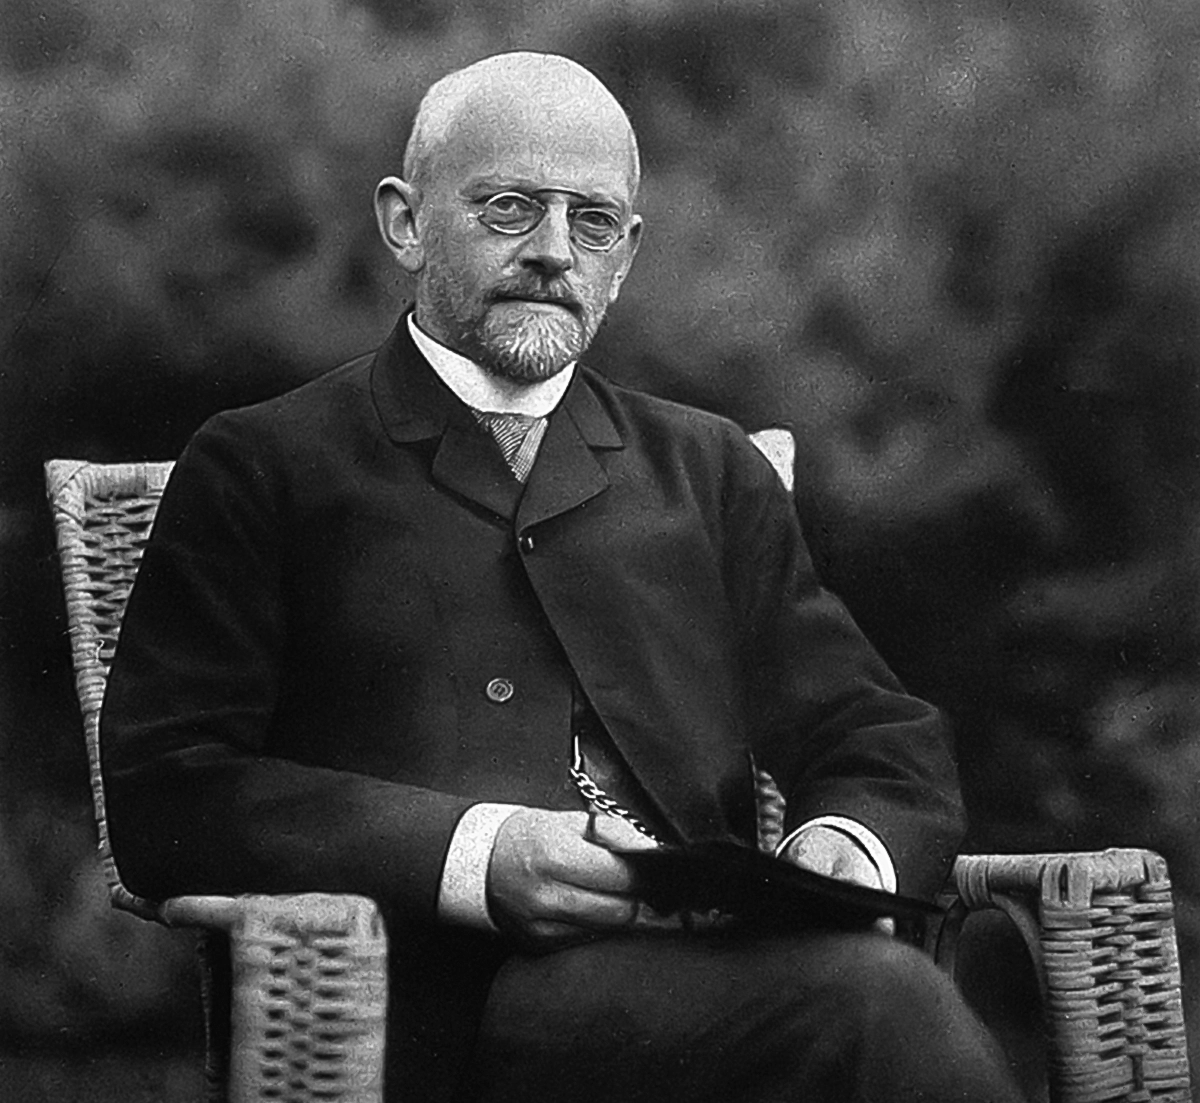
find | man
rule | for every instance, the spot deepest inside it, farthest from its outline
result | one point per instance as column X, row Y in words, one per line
column 386, row 635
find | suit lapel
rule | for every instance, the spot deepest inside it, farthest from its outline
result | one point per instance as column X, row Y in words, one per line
column 565, row 475
column 469, row 463
column 567, row 472
column 415, row 405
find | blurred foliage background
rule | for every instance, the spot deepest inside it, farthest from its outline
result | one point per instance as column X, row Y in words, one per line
column 954, row 243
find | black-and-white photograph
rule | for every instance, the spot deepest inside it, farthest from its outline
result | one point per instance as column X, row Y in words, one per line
column 642, row 551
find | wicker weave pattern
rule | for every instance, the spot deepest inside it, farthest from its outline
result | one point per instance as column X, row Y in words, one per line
column 102, row 517
column 310, row 1007
column 309, row 972
column 309, row 987
column 1101, row 928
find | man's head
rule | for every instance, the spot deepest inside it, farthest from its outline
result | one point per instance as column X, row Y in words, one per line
column 520, row 172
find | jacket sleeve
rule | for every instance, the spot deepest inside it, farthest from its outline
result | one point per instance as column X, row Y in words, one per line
column 196, row 801
column 828, row 719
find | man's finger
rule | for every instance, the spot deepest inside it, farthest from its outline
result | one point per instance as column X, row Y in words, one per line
column 560, row 915
column 535, row 847
column 614, row 833
column 596, row 911
column 590, row 865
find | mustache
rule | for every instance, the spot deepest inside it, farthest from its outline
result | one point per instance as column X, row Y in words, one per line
column 536, row 290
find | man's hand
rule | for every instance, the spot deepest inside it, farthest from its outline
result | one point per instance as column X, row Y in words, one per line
column 550, row 884
column 834, row 853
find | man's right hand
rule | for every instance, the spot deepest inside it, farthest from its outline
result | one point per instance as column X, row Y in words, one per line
column 549, row 885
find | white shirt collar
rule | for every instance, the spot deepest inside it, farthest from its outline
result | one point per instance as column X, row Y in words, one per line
column 487, row 392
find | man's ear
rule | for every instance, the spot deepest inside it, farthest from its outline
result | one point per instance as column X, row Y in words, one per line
column 633, row 238
column 395, row 214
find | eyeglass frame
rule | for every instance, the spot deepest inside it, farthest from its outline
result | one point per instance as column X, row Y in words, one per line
column 621, row 224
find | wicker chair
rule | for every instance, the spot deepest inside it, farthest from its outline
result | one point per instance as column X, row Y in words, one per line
column 1100, row 931
column 295, row 990
column 295, row 987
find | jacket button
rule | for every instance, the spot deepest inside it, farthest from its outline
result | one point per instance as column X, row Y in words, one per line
column 499, row 690
column 525, row 543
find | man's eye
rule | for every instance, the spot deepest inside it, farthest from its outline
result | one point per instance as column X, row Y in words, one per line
column 594, row 228
column 509, row 208
column 595, row 219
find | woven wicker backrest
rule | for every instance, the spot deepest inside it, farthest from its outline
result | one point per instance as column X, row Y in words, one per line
column 103, row 514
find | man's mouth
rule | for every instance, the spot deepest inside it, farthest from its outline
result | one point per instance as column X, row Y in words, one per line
column 538, row 299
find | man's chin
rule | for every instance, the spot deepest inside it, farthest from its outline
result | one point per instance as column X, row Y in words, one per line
column 521, row 367
column 530, row 342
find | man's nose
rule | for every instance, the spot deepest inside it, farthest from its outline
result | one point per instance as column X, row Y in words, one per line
column 548, row 245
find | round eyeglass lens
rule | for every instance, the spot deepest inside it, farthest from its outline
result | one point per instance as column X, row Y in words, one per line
column 595, row 229
column 511, row 213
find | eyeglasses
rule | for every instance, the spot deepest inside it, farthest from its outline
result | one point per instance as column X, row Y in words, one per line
column 515, row 213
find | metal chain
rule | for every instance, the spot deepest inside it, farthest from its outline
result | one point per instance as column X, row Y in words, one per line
column 598, row 800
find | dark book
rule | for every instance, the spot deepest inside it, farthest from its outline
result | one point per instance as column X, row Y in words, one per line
column 753, row 888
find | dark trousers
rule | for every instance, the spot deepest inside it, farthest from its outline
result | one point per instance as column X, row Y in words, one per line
column 838, row 1017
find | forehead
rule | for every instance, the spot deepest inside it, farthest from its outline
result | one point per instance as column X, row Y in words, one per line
column 531, row 139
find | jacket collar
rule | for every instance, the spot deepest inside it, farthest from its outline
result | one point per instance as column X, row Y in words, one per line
column 413, row 404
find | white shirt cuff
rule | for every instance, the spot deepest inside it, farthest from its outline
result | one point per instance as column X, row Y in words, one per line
column 864, row 837
column 462, row 895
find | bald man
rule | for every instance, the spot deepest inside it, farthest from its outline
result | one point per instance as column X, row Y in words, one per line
column 454, row 622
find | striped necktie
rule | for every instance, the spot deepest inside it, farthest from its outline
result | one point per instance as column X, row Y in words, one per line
column 519, row 437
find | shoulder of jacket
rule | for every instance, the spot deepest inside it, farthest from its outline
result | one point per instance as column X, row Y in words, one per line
column 303, row 407
column 670, row 413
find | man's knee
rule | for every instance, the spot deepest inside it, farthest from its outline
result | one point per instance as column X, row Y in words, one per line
column 874, row 973
column 909, row 1027
column 851, row 1016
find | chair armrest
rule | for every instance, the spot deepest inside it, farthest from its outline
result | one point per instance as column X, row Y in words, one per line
column 1100, row 929
column 304, row 981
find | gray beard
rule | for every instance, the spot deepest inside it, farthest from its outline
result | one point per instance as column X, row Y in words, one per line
column 530, row 348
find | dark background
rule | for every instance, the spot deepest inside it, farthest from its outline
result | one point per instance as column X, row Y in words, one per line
column 955, row 245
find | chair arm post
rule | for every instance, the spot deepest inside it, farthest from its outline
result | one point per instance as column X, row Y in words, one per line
column 943, row 946
column 307, row 984
column 1100, row 927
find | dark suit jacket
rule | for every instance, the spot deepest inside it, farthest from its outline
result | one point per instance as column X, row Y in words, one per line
column 299, row 697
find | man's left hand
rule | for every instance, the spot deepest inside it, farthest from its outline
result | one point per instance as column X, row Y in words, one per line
column 834, row 853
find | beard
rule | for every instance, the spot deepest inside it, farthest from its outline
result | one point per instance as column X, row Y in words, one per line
column 531, row 344
column 507, row 333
